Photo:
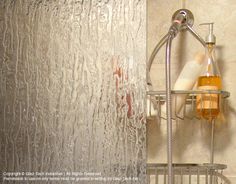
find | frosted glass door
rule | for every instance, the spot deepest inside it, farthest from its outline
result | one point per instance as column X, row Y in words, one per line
column 72, row 91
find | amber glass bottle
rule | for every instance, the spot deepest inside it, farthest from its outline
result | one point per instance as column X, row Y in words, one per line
column 208, row 105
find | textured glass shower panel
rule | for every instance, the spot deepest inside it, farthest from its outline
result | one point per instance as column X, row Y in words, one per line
column 72, row 87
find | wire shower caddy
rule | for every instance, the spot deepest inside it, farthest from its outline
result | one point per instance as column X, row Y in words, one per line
column 171, row 173
column 191, row 173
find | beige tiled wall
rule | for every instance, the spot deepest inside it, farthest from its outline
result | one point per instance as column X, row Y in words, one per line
column 192, row 138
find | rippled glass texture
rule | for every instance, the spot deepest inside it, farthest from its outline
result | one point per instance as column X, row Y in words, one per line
column 72, row 87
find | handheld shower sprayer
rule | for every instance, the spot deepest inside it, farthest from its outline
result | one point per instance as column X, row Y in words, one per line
column 181, row 20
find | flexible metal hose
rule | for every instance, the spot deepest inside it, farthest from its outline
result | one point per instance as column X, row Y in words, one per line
column 169, row 107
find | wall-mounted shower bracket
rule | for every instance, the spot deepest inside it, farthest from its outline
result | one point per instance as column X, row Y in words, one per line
column 181, row 19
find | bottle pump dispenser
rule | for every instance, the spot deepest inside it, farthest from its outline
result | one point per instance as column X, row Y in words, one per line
column 208, row 105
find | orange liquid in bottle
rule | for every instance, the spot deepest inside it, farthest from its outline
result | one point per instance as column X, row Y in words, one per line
column 208, row 105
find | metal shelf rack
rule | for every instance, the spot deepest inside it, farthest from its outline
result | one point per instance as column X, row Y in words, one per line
column 188, row 173
column 182, row 19
column 158, row 99
column 183, row 173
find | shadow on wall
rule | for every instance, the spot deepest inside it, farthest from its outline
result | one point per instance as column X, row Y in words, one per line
column 187, row 134
column 155, row 138
column 181, row 49
column 220, row 60
column 223, row 128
